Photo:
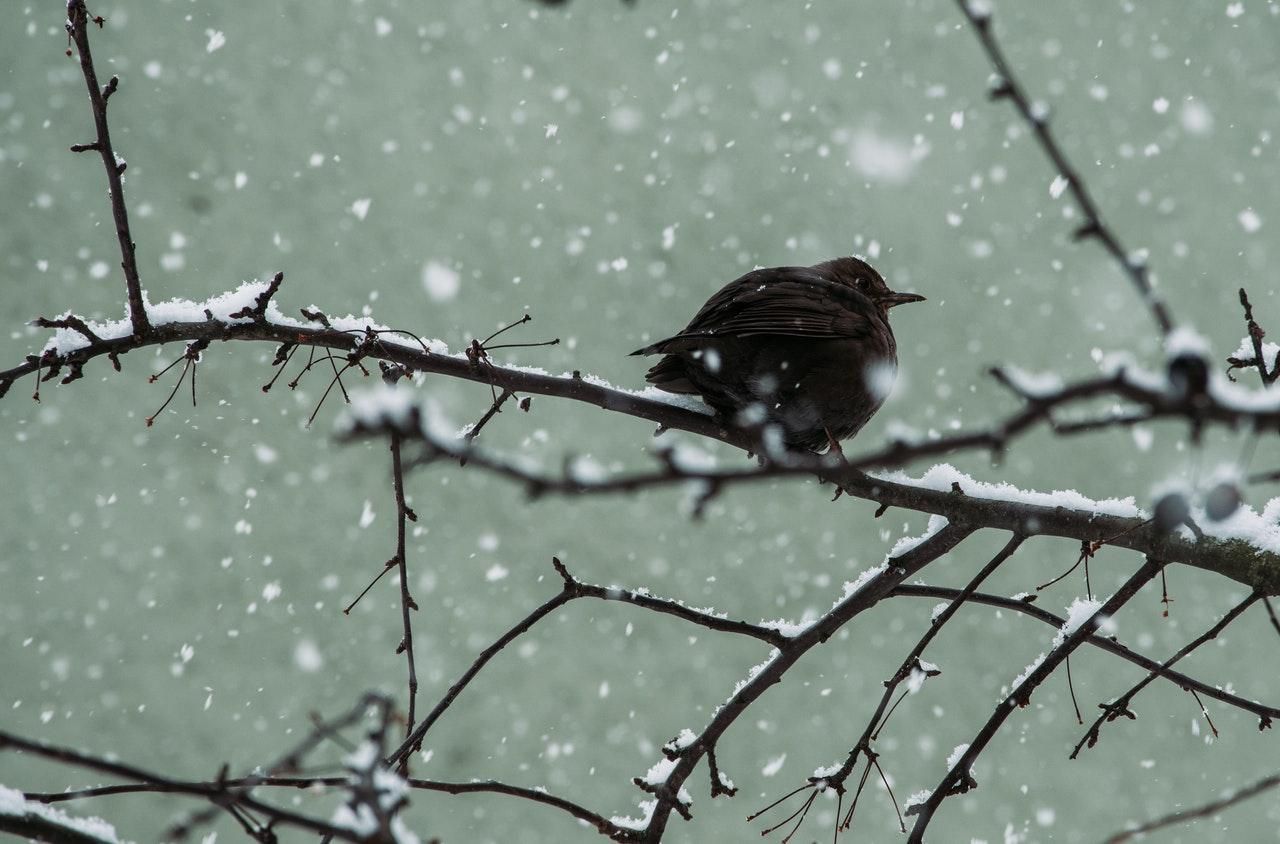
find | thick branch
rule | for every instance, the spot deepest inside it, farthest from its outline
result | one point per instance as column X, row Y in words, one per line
column 34, row 827
column 1235, row 559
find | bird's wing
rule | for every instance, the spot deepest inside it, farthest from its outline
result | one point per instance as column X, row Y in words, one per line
column 786, row 301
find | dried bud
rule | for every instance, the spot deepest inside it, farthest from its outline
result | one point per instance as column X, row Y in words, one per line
column 1171, row 510
column 1222, row 501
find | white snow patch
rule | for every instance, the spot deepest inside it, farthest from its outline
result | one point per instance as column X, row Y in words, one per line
column 1033, row 384
column 646, row 814
column 1026, row 672
column 14, row 804
column 774, row 765
column 1080, row 611
column 1184, row 340
column 683, row 740
column 822, row 772
column 220, row 307
column 789, row 628
column 852, row 587
column 1245, row 350
column 909, row 543
column 918, row 799
column 587, row 470
column 753, row 672
column 659, row 771
column 915, row 680
column 688, row 458
column 941, row 477
column 1261, row 530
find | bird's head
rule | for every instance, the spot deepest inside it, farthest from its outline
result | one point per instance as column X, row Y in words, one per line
column 862, row 277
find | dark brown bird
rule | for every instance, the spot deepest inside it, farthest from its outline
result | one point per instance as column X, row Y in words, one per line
column 808, row 349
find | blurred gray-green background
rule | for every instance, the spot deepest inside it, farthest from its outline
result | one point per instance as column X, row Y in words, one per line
column 173, row 594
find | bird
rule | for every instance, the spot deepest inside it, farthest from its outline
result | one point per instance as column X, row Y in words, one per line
column 806, row 350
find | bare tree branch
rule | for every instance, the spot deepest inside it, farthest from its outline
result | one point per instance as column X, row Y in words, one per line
column 1120, row 706
column 1207, row 810
column 911, row 664
column 571, row 589
column 1184, row 392
column 958, row 778
column 894, row 572
column 215, row 792
column 407, row 604
column 1036, row 116
column 1106, row 643
column 1238, row 560
column 78, row 29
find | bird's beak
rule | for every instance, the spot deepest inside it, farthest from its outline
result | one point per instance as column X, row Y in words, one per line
column 895, row 299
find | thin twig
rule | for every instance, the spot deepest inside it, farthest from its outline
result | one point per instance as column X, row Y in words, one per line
column 1120, row 706
column 1105, row 643
column 1256, row 334
column 910, row 665
column 407, row 604
column 958, row 778
column 896, row 570
column 1008, row 86
column 78, row 29
column 571, row 589
column 1207, row 810
column 213, row 792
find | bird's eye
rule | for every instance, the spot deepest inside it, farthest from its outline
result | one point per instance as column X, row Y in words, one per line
column 860, row 282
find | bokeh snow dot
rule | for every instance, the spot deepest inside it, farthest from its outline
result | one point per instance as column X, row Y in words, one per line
column 307, row 656
column 440, row 282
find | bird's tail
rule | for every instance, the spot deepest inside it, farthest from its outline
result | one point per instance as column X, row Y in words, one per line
column 653, row 348
column 670, row 375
